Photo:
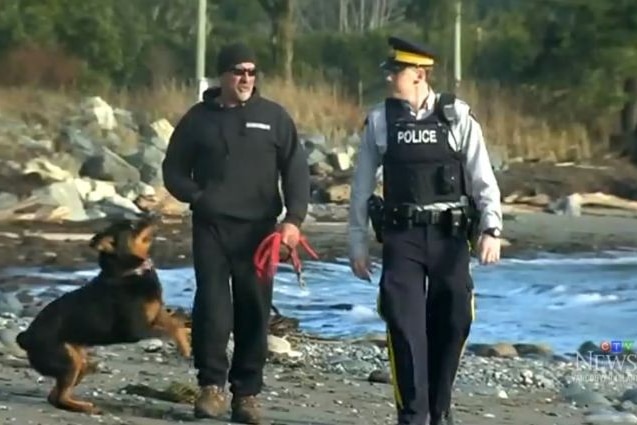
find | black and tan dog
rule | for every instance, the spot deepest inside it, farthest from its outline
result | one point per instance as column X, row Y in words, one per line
column 123, row 304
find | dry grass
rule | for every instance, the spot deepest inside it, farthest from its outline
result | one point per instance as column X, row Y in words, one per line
column 322, row 108
column 508, row 125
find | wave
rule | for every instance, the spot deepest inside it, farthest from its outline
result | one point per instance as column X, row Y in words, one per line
column 559, row 299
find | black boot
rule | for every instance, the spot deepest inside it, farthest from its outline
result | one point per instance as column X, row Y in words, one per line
column 445, row 419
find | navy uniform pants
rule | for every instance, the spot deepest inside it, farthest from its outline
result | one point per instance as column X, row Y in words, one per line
column 426, row 300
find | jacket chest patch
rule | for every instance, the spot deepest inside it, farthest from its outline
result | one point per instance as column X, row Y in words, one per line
column 259, row 125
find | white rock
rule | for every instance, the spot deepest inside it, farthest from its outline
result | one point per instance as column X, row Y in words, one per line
column 101, row 111
column 610, row 418
column 64, row 194
column 46, row 169
column 152, row 345
column 9, row 303
column 278, row 345
column 7, row 339
column 122, row 202
column 342, row 161
column 94, row 190
column 163, row 130
column 573, row 205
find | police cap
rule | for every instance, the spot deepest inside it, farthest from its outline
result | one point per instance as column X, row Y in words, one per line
column 406, row 53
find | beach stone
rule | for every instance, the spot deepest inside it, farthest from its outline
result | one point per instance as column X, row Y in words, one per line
column 609, row 417
column 9, row 303
column 589, row 347
column 278, row 345
column 152, row 345
column 377, row 340
column 533, row 350
column 380, row 377
column 570, row 205
column 628, row 406
column 493, row 350
column 7, row 340
column 629, row 395
column 583, row 397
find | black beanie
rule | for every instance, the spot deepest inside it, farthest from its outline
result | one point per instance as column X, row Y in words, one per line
column 232, row 54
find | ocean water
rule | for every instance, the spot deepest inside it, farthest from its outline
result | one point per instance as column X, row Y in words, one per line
column 559, row 300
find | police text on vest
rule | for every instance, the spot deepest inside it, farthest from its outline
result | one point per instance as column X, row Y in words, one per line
column 417, row 136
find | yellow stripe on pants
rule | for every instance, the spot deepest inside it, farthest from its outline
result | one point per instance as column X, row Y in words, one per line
column 392, row 359
column 464, row 344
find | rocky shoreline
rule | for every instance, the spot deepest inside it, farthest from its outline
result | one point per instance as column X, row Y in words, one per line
column 323, row 382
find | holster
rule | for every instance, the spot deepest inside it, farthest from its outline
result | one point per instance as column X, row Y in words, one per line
column 473, row 227
column 375, row 210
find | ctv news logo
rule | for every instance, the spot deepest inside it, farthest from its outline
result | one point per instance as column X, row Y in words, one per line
column 616, row 347
column 614, row 361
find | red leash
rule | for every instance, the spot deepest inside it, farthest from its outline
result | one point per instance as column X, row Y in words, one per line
column 268, row 256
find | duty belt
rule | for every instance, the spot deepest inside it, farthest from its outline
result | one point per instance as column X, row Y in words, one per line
column 414, row 215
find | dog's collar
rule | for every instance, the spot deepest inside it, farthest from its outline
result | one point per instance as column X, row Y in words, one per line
column 142, row 268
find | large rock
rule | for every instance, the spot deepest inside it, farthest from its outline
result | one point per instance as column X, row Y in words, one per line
column 63, row 194
column 97, row 110
column 46, row 169
column 148, row 161
column 342, row 158
column 109, row 166
column 161, row 131
column 339, row 193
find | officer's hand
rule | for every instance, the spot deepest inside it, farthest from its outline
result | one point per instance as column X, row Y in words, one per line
column 361, row 267
column 290, row 235
column 489, row 249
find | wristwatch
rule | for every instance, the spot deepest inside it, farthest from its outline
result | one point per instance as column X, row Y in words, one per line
column 493, row 232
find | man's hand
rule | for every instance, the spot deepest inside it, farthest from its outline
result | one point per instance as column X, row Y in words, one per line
column 489, row 248
column 362, row 268
column 290, row 235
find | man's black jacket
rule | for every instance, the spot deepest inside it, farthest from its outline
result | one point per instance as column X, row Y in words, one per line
column 227, row 161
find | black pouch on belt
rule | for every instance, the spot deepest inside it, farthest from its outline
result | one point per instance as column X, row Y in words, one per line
column 457, row 223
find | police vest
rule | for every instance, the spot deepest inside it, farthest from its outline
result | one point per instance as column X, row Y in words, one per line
column 419, row 166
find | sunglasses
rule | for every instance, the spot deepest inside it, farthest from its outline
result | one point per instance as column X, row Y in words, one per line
column 242, row 71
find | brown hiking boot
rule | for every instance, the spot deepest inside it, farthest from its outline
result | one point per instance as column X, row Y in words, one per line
column 211, row 402
column 245, row 410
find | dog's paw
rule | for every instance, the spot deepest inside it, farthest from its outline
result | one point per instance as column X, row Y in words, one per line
column 94, row 410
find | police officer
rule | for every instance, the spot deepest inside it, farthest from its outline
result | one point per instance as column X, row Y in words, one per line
column 435, row 168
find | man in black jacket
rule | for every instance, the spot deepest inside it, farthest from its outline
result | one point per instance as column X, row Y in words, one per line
column 225, row 158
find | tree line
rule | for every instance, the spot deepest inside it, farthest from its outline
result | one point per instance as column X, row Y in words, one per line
column 573, row 55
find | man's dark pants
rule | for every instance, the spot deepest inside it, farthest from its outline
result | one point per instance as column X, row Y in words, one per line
column 426, row 300
column 224, row 248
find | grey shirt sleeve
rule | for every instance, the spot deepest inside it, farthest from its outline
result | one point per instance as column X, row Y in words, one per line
column 363, row 185
column 481, row 180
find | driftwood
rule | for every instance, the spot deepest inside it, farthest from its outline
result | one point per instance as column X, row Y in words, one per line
column 599, row 199
column 31, row 209
column 593, row 199
column 539, row 200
